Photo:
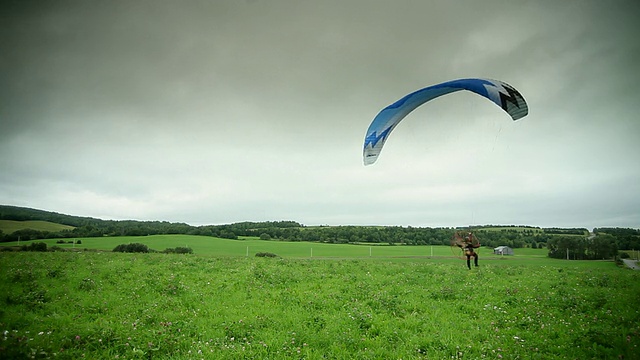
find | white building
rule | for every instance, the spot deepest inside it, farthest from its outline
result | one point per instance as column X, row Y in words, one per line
column 503, row 250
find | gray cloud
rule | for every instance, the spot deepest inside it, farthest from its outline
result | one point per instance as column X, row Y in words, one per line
column 214, row 112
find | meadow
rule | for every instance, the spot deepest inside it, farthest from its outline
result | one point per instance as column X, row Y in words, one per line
column 249, row 246
column 339, row 303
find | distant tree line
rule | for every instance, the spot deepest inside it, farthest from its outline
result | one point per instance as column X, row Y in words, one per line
column 84, row 226
column 626, row 239
column 600, row 247
column 557, row 240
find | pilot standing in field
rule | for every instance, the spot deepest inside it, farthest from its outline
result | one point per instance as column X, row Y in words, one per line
column 469, row 250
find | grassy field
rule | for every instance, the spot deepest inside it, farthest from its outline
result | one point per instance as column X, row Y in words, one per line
column 339, row 304
column 205, row 245
column 9, row 226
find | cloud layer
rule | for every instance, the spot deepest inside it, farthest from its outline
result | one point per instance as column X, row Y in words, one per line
column 217, row 112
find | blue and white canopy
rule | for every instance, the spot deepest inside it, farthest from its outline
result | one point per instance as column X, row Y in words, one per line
column 502, row 94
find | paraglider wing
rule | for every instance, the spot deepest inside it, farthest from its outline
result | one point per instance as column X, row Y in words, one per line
column 502, row 94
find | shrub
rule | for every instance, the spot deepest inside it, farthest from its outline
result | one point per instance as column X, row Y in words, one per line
column 39, row 246
column 266, row 254
column 178, row 250
column 132, row 248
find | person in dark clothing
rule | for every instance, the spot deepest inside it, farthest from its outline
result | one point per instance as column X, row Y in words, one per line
column 469, row 250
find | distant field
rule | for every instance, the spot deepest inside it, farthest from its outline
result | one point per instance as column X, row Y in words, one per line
column 205, row 245
column 9, row 226
column 513, row 228
column 210, row 246
column 526, row 229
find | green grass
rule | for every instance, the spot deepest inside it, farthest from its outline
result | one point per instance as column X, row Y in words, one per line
column 210, row 246
column 9, row 226
column 70, row 305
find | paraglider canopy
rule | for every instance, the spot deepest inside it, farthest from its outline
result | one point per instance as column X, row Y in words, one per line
column 500, row 93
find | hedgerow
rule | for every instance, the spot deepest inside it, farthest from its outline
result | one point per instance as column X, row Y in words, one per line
column 132, row 248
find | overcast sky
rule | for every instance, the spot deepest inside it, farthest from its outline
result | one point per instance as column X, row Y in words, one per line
column 213, row 112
